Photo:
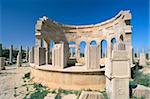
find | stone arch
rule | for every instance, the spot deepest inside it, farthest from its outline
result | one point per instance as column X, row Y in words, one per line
column 103, row 44
column 93, row 42
column 82, row 48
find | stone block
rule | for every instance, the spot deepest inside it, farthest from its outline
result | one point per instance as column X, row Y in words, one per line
column 142, row 61
column 119, row 55
column 59, row 55
column 117, row 88
column 141, row 91
column 92, row 57
column 91, row 95
column 39, row 56
column 2, row 63
column 117, row 71
column 121, row 46
column 31, row 55
column 117, row 68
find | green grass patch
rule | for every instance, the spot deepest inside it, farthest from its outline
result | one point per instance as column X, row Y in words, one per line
column 40, row 94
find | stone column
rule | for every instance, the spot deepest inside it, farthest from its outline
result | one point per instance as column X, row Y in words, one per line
column 2, row 63
column 46, row 46
column 19, row 59
column 78, row 53
column 1, row 50
column 105, row 53
column 129, row 48
column 92, row 57
column 59, row 55
column 11, row 54
column 27, row 54
column 99, row 45
column 20, row 53
column 2, row 59
column 108, row 54
column 31, row 55
column 142, row 61
column 39, row 56
column 137, row 53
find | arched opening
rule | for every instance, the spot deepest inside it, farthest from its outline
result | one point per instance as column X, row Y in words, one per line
column 103, row 48
column 82, row 48
column 51, row 44
column 113, row 41
column 72, row 49
column 93, row 42
column 50, row 52
column 121, row 37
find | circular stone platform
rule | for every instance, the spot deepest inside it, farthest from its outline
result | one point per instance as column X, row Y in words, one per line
column 71, row 78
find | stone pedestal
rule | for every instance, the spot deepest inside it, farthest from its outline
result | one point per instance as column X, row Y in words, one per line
column 117, row 73
column 19, row 59
column 142, row 61
column 92, row 57
column 2, row 63
column 31, row 55
column 59, row 56
column 117, row 88
column 39, row 56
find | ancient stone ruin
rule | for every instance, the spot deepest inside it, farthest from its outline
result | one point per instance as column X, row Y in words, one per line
column 98, row 68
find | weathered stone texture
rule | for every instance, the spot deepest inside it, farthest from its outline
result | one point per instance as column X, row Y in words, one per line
column 19, row 59
column 59, row 56
column 31, row 55
column 2, row 63
column 11, row 54
column 118, row 73
column 92, row 57
column 91, row 95
column 39, row 56
column 142, row 61
column 141, row 91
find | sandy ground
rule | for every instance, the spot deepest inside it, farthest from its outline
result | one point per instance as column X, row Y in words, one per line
column 13, row 86
column 11, row 82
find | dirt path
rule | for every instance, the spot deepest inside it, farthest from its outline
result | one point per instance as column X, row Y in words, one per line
column 11, row 80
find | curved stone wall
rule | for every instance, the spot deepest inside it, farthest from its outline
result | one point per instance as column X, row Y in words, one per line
column 69, row 80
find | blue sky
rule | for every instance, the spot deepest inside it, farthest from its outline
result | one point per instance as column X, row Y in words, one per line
column 18, row 17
